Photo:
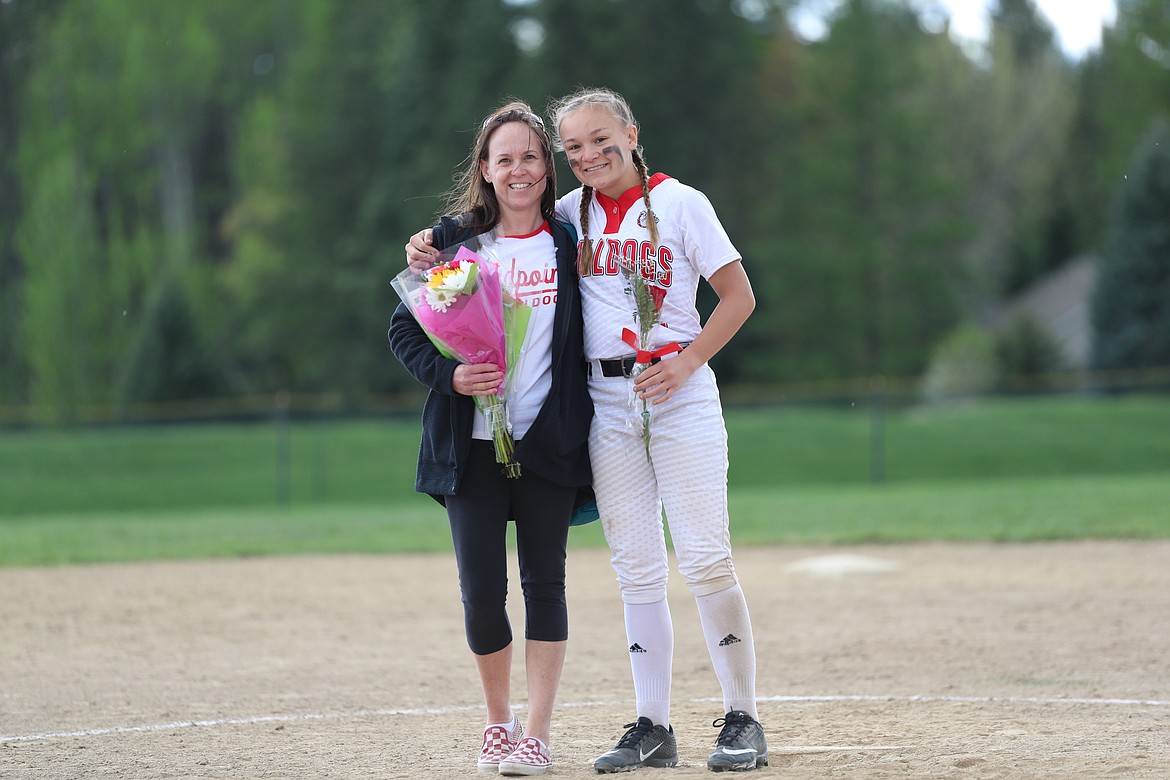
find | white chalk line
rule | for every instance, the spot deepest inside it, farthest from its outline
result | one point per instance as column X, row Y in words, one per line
column 964, row 699
column 381, row 713
column 250, row 721
column 799, row 750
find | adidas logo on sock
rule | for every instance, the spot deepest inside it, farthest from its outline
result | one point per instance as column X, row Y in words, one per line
column 730, row 639
column 637, row 648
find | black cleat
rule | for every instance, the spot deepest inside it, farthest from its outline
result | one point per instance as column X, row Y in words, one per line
column 643, row 745
column 741, row 745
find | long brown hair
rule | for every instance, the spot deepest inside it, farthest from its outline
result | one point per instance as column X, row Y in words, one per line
column 616, row 105
column 475, row 197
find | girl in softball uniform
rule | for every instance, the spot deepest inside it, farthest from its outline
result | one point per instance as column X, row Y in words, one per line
column 656, row 227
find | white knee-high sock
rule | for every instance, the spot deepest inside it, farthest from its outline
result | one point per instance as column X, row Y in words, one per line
column 728, row 631
column 651, row 637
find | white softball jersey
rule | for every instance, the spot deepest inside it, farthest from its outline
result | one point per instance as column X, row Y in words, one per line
column 692, row 244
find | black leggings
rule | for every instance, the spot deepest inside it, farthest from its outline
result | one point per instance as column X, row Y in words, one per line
column 479, row 515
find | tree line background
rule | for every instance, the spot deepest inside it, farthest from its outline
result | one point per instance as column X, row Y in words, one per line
column 207, row 199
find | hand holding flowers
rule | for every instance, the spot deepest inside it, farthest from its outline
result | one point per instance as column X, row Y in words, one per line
column 465, row 312
column 648, row 300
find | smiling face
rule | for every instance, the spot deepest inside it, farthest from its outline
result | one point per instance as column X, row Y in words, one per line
column 599, row 147
column 516, row 168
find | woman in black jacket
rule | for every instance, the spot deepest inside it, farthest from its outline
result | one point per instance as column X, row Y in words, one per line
column 506, row 198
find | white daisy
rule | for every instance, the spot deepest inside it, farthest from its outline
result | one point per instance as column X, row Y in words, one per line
column 440, row 298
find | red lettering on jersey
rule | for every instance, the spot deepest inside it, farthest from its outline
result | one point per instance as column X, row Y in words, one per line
column 611, row 255
column 612, row 266
column 630, row 253
column 645, row 260
column 665, row 266
column 596, row 268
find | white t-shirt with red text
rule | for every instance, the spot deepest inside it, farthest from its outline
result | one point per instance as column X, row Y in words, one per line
column 528, row 270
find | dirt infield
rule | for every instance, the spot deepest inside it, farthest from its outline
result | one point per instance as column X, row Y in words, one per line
column 989, row 661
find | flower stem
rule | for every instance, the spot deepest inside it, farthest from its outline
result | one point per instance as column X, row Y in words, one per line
column 504, row 445
column 646, row 428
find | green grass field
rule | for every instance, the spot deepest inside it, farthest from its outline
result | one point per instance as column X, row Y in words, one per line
column 1011, row 470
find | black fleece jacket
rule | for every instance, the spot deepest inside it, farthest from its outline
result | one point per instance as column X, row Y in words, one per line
column 556, row 447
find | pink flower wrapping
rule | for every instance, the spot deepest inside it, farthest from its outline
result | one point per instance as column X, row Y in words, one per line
column 471, row 328
column 460, row 305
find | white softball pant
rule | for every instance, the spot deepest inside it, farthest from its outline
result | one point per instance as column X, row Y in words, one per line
column 686, row 476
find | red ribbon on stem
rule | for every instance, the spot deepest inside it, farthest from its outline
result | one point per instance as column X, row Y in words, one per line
column 641, row 355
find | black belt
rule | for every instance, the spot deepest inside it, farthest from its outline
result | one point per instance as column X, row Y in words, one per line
column 619, row 366
column 623, row 366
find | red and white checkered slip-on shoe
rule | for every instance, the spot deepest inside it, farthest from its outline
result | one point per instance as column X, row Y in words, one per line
column 499, row 740
column 529, row 758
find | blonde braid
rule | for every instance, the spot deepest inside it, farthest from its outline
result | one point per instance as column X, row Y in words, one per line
column 644, row 175
column 617, row 106
column 585, row 258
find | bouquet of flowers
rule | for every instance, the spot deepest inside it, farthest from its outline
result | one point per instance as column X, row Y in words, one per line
column 465, row 312
column 648, row 300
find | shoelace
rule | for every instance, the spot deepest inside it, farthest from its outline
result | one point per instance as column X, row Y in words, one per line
column 733, row 729
column 637, row 731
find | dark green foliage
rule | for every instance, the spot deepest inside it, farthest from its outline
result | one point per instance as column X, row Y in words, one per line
column 261, row 164
column 21, row 27
column 1031, row 36
column 1025, row 353
column 1131, row 304
column 351, row 159
column 685, row 66
column 854, row 238
column 169, row 360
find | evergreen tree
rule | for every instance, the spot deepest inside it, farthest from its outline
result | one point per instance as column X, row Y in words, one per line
column 126, row 124
column 1025, row 103
column 1030, row 36
column 684, row 66
column 21, row 26
column 1123, row 87
column 1039, row 230
column 67, row 320
column 341, row 167
column 860, row 223
column 1081, row 187
column 1131, row 303
column 687, row 69
column 167, row 359
column 211, row 197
